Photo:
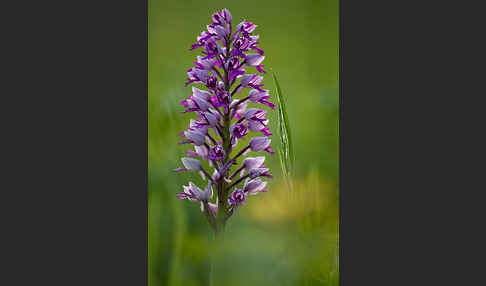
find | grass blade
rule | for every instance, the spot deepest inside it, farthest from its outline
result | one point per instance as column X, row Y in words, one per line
column 286, row 150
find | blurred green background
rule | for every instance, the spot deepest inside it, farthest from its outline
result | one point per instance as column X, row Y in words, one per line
column 281, row 237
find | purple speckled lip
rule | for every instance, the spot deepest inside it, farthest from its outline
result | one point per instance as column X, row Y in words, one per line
column 223, row 120
column 238, row 197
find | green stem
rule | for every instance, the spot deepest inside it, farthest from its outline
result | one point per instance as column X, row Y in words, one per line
column 216, row 260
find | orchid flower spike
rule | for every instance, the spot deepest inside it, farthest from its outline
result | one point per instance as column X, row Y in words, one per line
column 223, row 120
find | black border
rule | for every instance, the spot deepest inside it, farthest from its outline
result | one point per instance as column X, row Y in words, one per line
column 409, row 74
column 76, row 142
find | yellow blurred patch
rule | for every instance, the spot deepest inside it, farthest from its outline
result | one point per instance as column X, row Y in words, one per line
column 310, row 198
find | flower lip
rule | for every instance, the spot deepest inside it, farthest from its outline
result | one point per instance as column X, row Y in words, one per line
column 233, row 63
column 212, row 82
column 238, row 197
column 239, row 130
column 216, row 153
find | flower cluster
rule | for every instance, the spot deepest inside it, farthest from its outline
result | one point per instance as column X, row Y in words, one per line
column 223, row 118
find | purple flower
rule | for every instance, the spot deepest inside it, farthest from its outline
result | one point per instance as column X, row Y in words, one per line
column 258, row 144
column 254, row 59
column 201, row 94
column 251, row 113
column 227, row 51
column 239, row 111
column 201, row 39
column 196, row 75
column 216, row 153
column 200, row 104
column 196, row 137
column 212, row 82
column 233, row 63
column 239, row 130
column 226, row 15
column 222, row 17
column 249, row 164
column 213, row 49
column 221, row 32
column 198, row 126
column 257, row 172
column 202, row 151
column 208, row 118
column 257, row 121
column 240, row 45
column 238, row 197
column 246, row 28
column 260, row 97
column 191, row 164
column 195, row 194
column 255, row 186
column 252, row 163
column 204, row 64
column 251, row 80
column 195, row 104
column 223, row 98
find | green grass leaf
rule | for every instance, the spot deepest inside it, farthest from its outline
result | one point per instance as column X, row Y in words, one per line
column 286, row 150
